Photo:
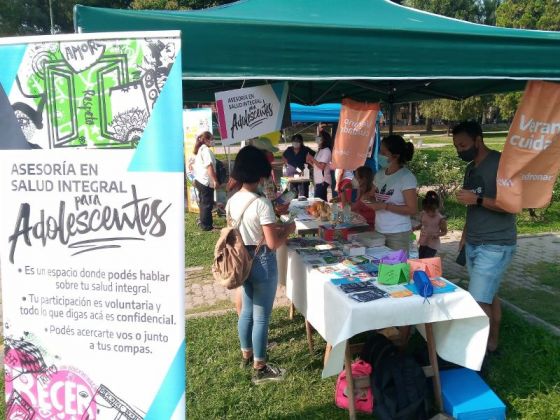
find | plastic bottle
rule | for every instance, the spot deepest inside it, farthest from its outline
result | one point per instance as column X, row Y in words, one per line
column 346, row 214
column 334, row 213
column 306, row 171
column 311, row 191
column 285, row 170
column 413, row 247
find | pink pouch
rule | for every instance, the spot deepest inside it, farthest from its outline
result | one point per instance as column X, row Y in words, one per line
column 363, row 395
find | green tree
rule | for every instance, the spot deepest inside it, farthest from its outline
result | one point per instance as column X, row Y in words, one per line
column 177, row 4
column 452, row 111
column 524, row 14
column 529, row 14
column 459, row 9
column 31, row 17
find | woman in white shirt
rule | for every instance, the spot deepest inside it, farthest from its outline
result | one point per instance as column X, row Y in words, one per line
column 396, row 199
column 322, row 165
column 257, row 226
column 205, row 178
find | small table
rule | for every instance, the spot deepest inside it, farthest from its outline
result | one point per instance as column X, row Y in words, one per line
column 285, row 181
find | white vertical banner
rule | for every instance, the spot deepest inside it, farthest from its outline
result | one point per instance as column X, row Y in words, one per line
column 92, row 226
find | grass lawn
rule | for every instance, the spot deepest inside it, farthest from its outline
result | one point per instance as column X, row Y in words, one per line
column 526, row 375
column 199, row 245
column 540, row 294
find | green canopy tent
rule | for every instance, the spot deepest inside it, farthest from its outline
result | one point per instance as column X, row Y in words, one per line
column 370, row 50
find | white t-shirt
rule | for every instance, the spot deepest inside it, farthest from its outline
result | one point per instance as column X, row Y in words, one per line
column 389, row 189
column 260, row 212
column 324, row 156
column 202, row 160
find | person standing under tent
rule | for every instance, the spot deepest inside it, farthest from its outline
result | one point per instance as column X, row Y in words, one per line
column 205, row 178
column 322, row 165
column 395, row 193
column 295, row 157
column 256, row 221
column 490, row 234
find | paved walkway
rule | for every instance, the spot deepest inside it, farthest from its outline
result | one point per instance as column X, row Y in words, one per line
column 205, row 296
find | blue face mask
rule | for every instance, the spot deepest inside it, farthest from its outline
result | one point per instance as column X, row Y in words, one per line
column 383, row 161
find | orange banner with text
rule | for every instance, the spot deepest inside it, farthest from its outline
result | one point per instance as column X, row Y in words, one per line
column 356, row 127
column 531, row 158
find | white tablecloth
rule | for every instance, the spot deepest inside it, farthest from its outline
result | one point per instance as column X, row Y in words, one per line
column 460, row 326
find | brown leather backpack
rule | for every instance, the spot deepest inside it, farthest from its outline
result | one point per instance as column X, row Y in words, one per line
column 232, row 262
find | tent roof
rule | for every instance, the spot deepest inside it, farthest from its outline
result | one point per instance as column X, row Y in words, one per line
column 365, row 49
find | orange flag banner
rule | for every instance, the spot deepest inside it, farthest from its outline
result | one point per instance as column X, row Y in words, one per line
column 531, row 158
column 356, row 127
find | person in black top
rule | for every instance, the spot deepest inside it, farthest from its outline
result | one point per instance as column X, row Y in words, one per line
column 294, row 156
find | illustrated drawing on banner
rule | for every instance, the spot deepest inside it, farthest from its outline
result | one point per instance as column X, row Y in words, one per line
column 247, row 113
column 355, row 135
column 91, row 226
column 531, row 157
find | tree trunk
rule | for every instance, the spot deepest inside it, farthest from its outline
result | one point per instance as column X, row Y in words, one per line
column 410, row 113
column 429, row 125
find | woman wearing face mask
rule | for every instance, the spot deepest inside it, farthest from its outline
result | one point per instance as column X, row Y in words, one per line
column 257, row 226
column 294, row 156
column 395, row 192
column 322, row 165
column 205, row 178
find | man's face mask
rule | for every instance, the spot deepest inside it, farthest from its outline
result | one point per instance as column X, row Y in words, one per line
column 296, row 145
column 468, row 155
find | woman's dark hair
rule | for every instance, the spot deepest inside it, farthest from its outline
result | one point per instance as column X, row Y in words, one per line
column 326, row 140
column 430, row 201
column 298, row 138
column 201, row 138
column 250, row 165
column 397, row 146
column 365, row 175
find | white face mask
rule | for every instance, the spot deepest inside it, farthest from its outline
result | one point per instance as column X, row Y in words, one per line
column 296, row 145
column 318, row 139
column 355, row 183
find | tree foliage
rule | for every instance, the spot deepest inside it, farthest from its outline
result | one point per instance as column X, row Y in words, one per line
column 452, row 111
column 177, row 4
column 529, row 14
column 31, row 17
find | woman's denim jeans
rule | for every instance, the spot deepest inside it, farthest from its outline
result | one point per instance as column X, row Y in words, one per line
column 258, row 295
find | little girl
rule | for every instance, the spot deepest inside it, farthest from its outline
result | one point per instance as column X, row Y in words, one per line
column 433, row 226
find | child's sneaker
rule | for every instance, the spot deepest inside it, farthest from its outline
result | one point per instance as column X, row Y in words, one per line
column 267, row 374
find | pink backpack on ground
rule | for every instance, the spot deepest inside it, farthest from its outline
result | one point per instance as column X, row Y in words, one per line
column 363, row 395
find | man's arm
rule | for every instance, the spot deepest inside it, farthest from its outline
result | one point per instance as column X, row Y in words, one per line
column 468, row 198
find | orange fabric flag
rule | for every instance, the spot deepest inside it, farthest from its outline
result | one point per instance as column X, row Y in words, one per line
column 531, row 158
column 356, row 127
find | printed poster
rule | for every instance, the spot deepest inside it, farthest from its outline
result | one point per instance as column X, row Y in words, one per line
column 195, row 121
column 247, row 113
column 355, row 134
column 531, row 157
column 91, row 226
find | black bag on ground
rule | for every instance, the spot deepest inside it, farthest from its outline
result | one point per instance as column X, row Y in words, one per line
column 221, row 172
column 399, row 389
column 376, row 347
column 398, row 381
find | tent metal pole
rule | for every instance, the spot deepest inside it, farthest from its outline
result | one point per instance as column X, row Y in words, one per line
column 391, row 116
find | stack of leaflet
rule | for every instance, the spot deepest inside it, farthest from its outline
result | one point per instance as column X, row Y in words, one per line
column 378, row 252
column 368, row 239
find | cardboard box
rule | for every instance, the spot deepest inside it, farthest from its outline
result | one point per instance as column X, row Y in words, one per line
column 467, row 397
column 333, row 233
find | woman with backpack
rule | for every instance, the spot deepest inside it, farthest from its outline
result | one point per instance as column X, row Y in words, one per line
column 205, row 178
column 262, row 235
